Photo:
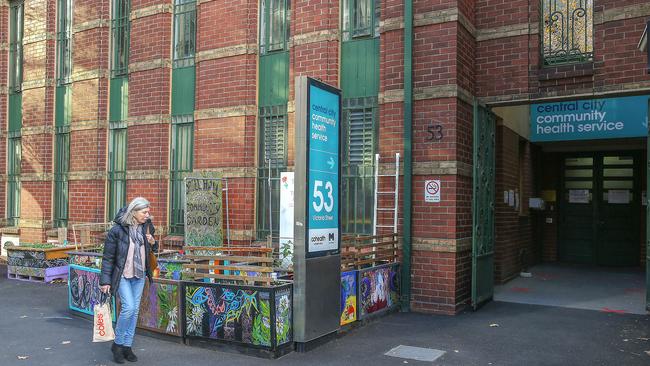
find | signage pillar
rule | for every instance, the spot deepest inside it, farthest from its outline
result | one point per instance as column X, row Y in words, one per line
column 317, row 223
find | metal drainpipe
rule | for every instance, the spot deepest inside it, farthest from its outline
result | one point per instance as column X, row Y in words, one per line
column 408, row 156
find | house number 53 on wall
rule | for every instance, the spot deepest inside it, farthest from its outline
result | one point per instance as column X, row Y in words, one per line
column 434, row 133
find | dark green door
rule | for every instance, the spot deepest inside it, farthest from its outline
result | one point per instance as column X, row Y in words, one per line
column 599, row 201
column 483, row 206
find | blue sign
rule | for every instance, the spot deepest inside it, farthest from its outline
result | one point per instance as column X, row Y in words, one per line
column 589, row 119
column 323, row 171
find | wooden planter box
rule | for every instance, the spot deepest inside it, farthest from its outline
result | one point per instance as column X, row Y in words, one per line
column 257, row 317
column 37, row 264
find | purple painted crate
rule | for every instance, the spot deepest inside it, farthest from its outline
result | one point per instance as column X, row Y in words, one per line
column 37, row 274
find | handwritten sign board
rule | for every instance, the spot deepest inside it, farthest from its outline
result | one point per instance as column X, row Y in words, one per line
column 203, row 214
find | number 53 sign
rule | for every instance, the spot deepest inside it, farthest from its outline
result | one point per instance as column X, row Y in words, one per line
column 323, row 106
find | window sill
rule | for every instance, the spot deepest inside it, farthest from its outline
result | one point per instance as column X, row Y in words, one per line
column 566, row 71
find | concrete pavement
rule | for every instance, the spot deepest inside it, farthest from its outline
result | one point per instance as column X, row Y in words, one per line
column 35, row 322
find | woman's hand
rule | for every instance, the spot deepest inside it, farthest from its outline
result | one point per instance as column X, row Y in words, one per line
column 105, row 288
column 151, row 239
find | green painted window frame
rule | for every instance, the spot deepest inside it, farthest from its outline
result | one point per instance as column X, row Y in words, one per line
column 274, row 25
column 14, row 150
column 360, row 19
column 181, row 163
column 117, row 147
column 64, row 42
column 61, row 170
column 120, row 37
column 559, row 20
column 360, row 116
column 184, row 33
column 16, row 32
column 273, row 156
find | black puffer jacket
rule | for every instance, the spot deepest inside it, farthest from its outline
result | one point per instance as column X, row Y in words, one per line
column 116, row 249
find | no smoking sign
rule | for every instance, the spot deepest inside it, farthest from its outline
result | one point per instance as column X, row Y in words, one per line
column 432, row 191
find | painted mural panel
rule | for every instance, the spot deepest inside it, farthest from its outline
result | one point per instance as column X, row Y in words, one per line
column 228, row 313
column 34, row 259
column 348, row 297
column 83, row 290
column 160, row 307
column 378, row 289
column 203, row 211
column 283, row 321
column 241, row 314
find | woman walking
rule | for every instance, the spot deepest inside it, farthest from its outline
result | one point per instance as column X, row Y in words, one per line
column 125, row 264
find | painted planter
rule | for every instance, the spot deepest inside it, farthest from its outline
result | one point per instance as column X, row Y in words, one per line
column 86, row 259
column 83, row 290
column 369, row 291
column 379, row 289
column 37, row 264
column 259, row 317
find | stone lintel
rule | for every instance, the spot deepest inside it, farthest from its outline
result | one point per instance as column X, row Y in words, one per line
column 217, row 53
column 313, row 37
column 91, row 24
column 235, row 111
column 152, row 10
column 150, row 65
column 152, row 119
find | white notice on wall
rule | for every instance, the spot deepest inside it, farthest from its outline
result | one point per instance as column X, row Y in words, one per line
column 432, row 191
column 578, row 196
column 644, row 198
column 505, row 196
column 511, row 198
column 618, row 196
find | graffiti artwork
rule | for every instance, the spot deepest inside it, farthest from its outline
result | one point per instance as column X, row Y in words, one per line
column 83, row 289
column 378, row 289
column 160, row 307
column 203, row 214
column 239, row 314
column 34, row 259
column 283, row 300
column 348, row 297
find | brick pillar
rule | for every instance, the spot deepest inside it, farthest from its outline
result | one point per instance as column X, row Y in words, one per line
column 225, row 116
column 91, row 34
column 38, row 119
column 149, row 105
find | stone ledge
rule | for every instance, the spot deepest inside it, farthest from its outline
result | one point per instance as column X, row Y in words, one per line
column 36, row 177
column 151, row 10
column 150, row 65
column 36, row 130
column 433, row 92
column 34, row 223
column 152, row 119
column 313, row 37
column 235, row 111
column 91, row 24
column 147, row 175
column 38, row 37
column 86, row 175
column 231, row 172
column 442, row 245
column 88, row 125
column 89, row 75
column 512, row 30
column 217, row 53
column 38, row 83
column 391, row 24
column 444, row 167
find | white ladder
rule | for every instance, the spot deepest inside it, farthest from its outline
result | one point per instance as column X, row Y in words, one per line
column 394, row 193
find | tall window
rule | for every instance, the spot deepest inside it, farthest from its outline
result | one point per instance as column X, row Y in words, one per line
column 183, row 100
column 64, row 42
column 567, row 31
column 274, row 29
column 360, row 19
column 14, row 149
column 272, row 124
column 121, row 30
column 360, row 86
column 63, row 113
column 119, row 106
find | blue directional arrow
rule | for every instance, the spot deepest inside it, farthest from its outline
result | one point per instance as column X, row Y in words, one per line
column 331, row 163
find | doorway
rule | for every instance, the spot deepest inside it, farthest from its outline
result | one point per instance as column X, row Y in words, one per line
column 600, row 194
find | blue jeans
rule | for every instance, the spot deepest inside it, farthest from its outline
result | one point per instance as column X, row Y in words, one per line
column 130, row 293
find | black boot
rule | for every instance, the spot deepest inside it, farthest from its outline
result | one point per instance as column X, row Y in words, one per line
column 129, row 355
column 118, row 353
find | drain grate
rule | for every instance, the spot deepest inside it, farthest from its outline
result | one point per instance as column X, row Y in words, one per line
column 415, row 353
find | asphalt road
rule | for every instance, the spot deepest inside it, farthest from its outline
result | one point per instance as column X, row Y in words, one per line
column 35, row 322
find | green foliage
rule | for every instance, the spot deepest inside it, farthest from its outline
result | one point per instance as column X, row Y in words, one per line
column 262, row 325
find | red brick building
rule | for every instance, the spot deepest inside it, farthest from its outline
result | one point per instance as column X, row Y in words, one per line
column 106, row 100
